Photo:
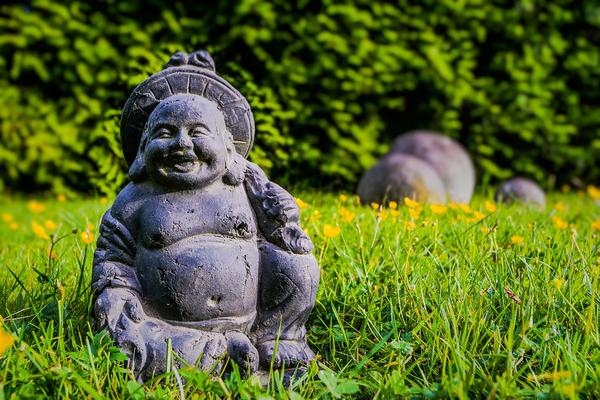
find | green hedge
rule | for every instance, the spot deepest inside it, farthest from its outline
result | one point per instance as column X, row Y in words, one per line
column 518, row 82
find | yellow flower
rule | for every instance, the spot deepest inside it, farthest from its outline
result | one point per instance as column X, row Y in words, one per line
column 343, row 197
column 490, row 206
column 438, row 209
column 103, row 200
column 301, row 204
column 14, row 226
column 51, row 225
column 316, row 214
column 374, row 206
column 478, row 215
column 415, row 212
column 35, row 206
column 411, row 226
column 593, row 192
column 395, row 213
column 6, row 340
column 61, row 197
column 516, row 239
column 330, row 231
column 410, row 203
column 559, row 206
column 6, row 217
column 51, row 253
column 39, row 230
column 565, row 188
column 558, row 283
column 393, row 205
column 89, row 227
column 453, row 205
column 347, row 216
column 87, row 237
column 465, row 208
column 485, row 229
column 596, row 224
column 559, row 222
column 383, row 214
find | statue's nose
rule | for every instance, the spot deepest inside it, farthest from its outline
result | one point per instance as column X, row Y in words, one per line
column 183, row 140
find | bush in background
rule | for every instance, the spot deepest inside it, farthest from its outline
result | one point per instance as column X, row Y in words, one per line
column 517, row 82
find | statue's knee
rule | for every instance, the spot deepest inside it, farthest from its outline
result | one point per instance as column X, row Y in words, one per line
column 284, row 273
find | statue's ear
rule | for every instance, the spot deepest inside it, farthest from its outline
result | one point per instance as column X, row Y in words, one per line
column 236, row 168
column 137, row 171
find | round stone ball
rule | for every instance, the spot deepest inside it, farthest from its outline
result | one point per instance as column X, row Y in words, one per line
column 397, row 176
column 520, row 189
column 447, row 157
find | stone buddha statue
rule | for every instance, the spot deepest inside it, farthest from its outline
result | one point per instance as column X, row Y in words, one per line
column 200, row 247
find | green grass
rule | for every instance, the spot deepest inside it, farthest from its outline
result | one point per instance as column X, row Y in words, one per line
column 443, row 310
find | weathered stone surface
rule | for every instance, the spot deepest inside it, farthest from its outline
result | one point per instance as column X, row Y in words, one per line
column 397, row 176
column 447, row 157
column 201, row 248
column 520, row 189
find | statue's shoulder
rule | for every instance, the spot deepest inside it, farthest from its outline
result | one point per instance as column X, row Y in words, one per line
column 128, row 202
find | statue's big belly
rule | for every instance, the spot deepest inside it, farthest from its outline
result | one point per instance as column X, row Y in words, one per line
column 200, row 278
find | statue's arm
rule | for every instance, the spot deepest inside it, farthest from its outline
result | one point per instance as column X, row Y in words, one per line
column 277, row 213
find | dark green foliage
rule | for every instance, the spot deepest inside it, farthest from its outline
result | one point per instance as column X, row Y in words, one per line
column 518, row 82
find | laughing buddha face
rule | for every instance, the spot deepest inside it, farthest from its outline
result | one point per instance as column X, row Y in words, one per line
column 186, row 143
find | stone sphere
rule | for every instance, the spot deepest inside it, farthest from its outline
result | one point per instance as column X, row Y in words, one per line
column 447, row 157
column 397, row 176
column 520, row 189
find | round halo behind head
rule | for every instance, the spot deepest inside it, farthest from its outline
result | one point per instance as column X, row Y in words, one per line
column 193, row 74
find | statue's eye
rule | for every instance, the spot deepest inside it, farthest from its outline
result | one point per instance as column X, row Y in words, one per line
column 162, row 133
column 198, row 131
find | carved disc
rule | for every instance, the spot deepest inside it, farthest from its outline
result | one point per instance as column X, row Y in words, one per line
column 186, row 79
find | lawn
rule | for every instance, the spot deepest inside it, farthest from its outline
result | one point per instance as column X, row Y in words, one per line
column 414, row 301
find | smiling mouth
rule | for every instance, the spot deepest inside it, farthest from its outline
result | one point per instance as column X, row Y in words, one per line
column 182, row 164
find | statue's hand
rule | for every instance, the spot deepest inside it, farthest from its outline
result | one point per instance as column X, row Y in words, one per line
column 242, row 351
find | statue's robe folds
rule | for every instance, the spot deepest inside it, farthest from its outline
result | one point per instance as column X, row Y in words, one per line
column 288, row 279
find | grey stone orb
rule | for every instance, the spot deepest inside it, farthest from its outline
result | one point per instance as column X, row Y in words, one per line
column 520, row 189
column 447, row 157
column 397, row 176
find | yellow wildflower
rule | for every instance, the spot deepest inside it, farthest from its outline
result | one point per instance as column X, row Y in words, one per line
column 411, row 226
column 490, row 206
column 596, row 224
column 565, row 188
column 559, row 206
column 415, row 212
column 51, row 225
column 410, row 203
column 478, row 215
column 39, row 230
column 343, row 197
column 465, row 208
column 35, row 206
column 559, row 222
column 51, row 253
column 453, row 205
column 6, row 217
column 516, row 239
column 316, row 214
column 383, row 214
column 393, row 205
column 61, row 197
column 395, row 213
column 103, row 200
column 438, row 209
column 485, row 230
column 89, row 227
column 14, row 226
column 87, row 237
column 6, row 340
column 347, row 216
column 374, row 206
column 593, row 192
column 558, row 283
column 330, row 231
column 301, row 204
